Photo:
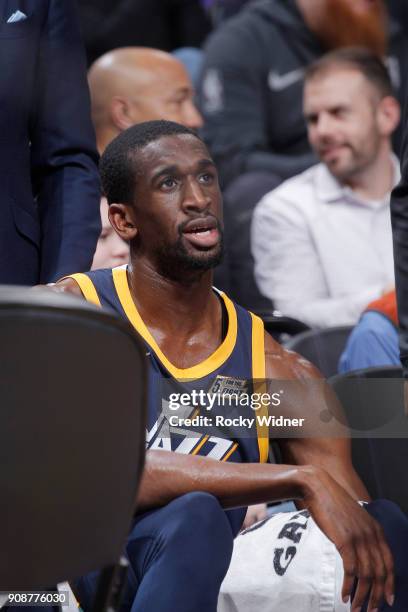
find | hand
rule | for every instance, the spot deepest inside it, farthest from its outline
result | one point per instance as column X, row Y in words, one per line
column 254, row 514
column 357, row 536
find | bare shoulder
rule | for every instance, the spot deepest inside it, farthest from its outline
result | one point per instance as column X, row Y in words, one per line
column 66, row 285
column 284, row 364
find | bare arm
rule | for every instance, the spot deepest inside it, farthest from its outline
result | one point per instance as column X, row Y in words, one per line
column 168, row 475
column 67, row 285
column 332, row 452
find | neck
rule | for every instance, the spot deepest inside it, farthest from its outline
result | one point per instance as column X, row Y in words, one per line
column 166, row 304
column 376, row 181
column 104, row 136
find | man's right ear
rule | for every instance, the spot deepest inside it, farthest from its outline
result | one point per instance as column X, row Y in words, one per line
column 122, row 221
column 121, row 113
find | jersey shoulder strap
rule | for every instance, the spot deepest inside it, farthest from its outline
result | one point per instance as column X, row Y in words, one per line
column 259, row 385
column 87, row 287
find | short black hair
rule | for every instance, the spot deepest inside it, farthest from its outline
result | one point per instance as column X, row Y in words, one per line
column 118, row 164
column 362, row 59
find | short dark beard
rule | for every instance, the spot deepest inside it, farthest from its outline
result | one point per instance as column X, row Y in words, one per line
column 175, row 262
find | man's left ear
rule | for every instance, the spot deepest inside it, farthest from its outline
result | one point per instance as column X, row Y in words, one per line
column 121, row 219
column 389, row 115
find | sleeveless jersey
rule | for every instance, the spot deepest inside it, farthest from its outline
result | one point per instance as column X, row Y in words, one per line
column 239, row 357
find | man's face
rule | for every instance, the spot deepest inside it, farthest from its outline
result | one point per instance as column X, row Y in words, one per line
column 111, row 250
column 167, row 94
column 344, row 23
column 340, row 108
column 177, row 206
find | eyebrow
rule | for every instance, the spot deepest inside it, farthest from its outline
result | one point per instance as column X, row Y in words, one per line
column 331, row 109
column 202, row 164
column 181, row 91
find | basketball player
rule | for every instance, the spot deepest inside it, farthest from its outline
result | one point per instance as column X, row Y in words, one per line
column 164, row 199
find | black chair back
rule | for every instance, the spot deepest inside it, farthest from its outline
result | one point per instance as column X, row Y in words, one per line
column 373, row 402
column 72, row 436
column 280, row 327
column 321, row 347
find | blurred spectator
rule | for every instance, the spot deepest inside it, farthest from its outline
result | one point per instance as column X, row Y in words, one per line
column 161, row 24
column 49, row 180
column 251, row 96
column 111, row 250
column 252, row 79
column 322, row 240
column 134, row 84
column 374, row 340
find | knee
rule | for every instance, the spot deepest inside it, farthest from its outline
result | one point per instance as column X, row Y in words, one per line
column 389, row 515
column 198, row 512
column 395, row 526
column 201, row 507
column 198, row 520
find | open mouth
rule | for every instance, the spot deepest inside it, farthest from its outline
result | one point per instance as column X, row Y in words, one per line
column 202, row 233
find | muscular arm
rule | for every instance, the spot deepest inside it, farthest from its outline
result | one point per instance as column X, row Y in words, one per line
column 332, row 452
column 168, row 475
column 68, row 285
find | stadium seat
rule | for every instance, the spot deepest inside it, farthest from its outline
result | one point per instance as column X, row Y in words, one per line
column 72, row 440
column 373, row 403
column 322, row 347
column 282, row 328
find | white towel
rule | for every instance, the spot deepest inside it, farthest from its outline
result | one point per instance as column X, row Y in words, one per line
column 283, row 563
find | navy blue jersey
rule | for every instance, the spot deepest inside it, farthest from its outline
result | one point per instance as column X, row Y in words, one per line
column 238, row 360
column 231, row 367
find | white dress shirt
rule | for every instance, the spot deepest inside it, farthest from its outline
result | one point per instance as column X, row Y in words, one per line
column 321, row 252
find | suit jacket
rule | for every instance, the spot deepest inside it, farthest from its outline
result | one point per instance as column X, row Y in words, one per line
column 162, row 24
column 399, row 220
column 49, row 184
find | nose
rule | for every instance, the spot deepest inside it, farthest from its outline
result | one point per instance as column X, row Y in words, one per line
column 191, row 116
column 324, row 125
column 196, row 197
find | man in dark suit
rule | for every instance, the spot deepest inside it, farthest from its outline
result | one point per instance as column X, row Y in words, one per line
column 49, row 181
column 399, row 219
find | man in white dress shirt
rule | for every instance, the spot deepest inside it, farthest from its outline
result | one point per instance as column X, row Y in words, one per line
column 322, row 240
